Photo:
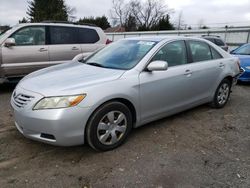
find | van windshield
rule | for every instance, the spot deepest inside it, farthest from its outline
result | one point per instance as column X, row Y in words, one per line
column 4, row 33
column 7, row 31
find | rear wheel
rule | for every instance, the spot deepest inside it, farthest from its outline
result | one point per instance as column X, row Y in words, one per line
column 222, row 94
column 109, row 126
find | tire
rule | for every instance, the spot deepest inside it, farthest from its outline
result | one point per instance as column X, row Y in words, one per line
column 222, row 94
column 109, row 126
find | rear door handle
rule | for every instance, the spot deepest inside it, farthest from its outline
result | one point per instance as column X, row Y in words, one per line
column 188, row 73
column 43, row 50
column 75, row 48
column 221, row 65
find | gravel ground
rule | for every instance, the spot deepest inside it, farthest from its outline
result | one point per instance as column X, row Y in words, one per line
column 202, row 147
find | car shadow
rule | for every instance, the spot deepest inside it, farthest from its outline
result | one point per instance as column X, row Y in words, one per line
column 85, row 150
column 7, row 87
column 166, row 121
column 240, row 83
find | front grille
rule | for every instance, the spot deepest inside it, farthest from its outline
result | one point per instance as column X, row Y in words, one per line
column 21, row 100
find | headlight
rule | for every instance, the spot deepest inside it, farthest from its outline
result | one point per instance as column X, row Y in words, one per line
column 58, row 102
column 248, row 67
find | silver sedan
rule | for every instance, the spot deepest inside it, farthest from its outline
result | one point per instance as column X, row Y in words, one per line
column 122, row 86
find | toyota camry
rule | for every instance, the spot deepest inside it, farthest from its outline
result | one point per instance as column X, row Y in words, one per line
column 129, row 83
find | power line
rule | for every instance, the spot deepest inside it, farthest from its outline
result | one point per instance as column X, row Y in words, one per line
column 221, row 23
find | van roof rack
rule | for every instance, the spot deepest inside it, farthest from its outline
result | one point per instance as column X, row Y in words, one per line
column 67, row 22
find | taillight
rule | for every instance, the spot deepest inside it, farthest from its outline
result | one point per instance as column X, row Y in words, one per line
column 108, row 41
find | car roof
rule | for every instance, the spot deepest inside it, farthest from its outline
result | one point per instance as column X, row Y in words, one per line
column 163, row 38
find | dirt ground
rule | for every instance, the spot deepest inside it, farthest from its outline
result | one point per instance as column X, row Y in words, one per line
column 202, row 147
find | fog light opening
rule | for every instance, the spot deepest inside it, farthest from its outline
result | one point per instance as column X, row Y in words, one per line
column 47, row 136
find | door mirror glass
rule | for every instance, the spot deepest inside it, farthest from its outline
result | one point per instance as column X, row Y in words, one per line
column 157, row 66
column 10, row 42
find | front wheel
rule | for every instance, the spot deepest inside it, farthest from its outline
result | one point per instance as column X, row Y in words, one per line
column 109, row 126
column 222, row 94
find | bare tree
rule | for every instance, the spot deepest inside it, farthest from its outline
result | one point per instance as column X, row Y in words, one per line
column 200, row 23
column 180, row 21
column 119, row 12
column 71, row 11
column 148, row 13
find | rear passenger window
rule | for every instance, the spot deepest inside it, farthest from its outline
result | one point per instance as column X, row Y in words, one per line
column 87, row 35
column 215, row 54
column 200, row 51
column 63, row 35
column 174, row 53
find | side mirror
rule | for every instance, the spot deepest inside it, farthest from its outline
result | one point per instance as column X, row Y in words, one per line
column 157, row 66
column 82, row 56
column 10, row 42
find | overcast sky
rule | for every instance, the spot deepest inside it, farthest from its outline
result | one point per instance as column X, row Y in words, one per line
column 212, row 12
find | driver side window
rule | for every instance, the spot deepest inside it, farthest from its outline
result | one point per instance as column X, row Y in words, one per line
column 174, row 53
column 30, row 36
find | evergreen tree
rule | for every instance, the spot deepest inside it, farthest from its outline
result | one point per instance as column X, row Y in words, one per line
column 101, row 22
column 163, row 24
column 40, row 10
column 24, row 20
column 130, row 23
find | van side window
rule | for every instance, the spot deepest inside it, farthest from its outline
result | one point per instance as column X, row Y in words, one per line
column 87, row 36
column 174, row 53
column 200, row 51
column 30, row 36
column 63, row 35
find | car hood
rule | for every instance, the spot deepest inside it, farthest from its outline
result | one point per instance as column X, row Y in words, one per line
column 67, row 78
column 244, row 60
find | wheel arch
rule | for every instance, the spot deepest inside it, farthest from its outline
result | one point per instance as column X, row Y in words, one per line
column 124, row 101
column 230, row 78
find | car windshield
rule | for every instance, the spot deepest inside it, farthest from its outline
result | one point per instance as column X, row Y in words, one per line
column 123, row 54
column 243, row 50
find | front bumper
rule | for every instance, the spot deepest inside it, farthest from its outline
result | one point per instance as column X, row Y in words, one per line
column 62, row 127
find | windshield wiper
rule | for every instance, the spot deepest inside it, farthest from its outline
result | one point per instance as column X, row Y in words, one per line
column 95, row 64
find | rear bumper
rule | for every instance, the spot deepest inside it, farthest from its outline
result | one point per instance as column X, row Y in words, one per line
column 236, row 78
column 245, row 75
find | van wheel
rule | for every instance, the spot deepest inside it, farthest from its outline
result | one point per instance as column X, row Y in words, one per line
column 109, row 126
column 222, row 94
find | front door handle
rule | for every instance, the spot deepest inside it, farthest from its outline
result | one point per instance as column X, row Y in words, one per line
column 43, row 50
column 188, row 73
column 75, row 48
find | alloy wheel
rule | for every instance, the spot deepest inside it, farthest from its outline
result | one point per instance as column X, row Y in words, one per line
column 223, row 93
